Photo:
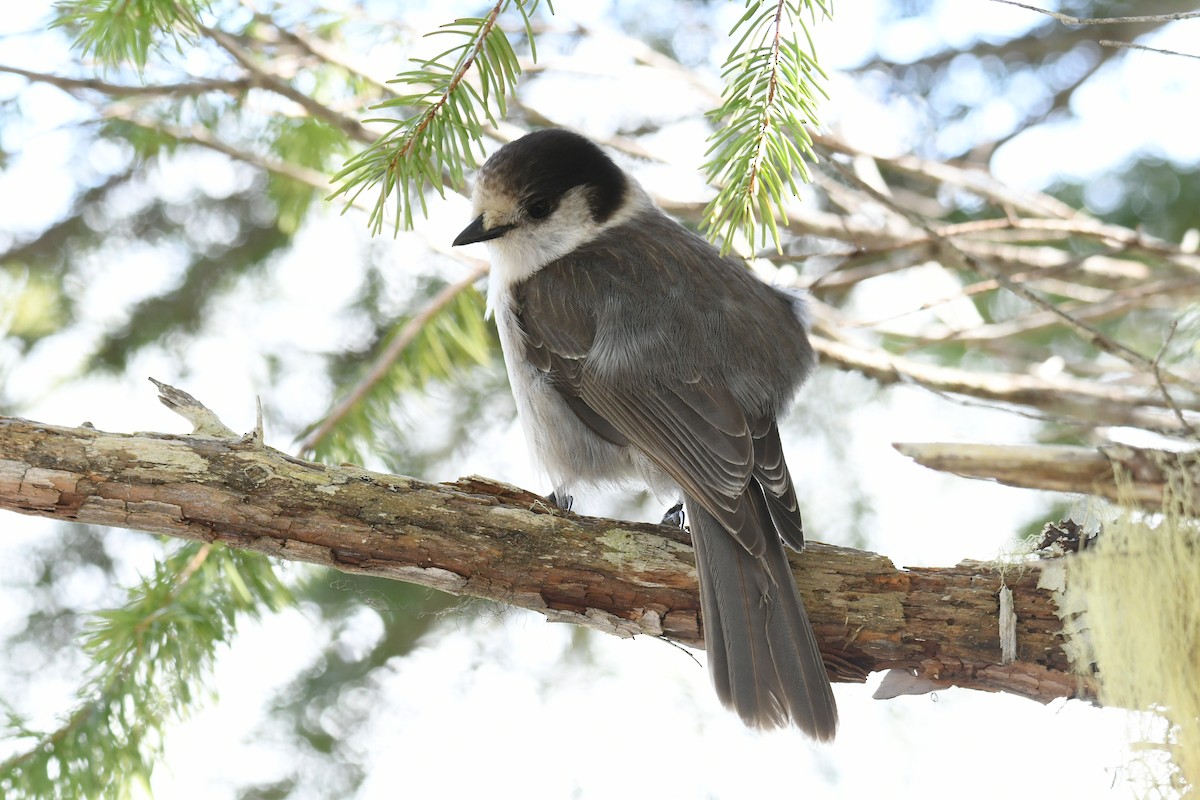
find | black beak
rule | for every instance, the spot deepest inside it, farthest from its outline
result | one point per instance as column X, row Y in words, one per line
column 475, row 232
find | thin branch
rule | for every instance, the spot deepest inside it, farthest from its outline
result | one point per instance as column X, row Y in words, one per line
column 1067, row 19
column 269, row 80
column 1087, row 332
column 202, row 137
column 186, row 89
column 967, row 292
column 1116, row 472
column 971, row 179
column 1098, row 403
column 1176, row 290
column 1162, row 387
column 1082, row 225
column 1131, row 46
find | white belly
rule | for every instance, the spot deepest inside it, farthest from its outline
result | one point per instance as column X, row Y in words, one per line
column 564, row 447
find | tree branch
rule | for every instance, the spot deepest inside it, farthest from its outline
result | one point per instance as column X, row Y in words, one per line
column 75, row 86
column 1093, row 401
column 1083, row 330
column 1132, row 46
column 1067, row 19
column 941, row 626
column 1116, row 472
column 264, row 76
column 201, row 137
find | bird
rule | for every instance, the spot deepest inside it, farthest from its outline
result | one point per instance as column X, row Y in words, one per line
column 636, row 350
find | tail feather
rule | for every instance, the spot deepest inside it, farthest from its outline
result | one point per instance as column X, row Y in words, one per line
column 762, row 653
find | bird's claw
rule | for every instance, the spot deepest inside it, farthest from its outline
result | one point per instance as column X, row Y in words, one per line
column 674, row 516
column 562, row 503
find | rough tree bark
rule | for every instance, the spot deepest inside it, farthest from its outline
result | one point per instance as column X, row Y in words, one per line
column 935, row 627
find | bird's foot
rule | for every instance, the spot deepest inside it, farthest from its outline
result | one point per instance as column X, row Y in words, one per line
column 562, row 502
column 674, row 516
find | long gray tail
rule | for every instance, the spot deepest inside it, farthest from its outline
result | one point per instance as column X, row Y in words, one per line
column 762, row 654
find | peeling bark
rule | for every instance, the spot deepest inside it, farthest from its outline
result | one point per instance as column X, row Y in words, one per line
column 490, row 540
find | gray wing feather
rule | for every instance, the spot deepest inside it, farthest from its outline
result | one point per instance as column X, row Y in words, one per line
column 771, row 471
column 624, row 379
column 694, row 431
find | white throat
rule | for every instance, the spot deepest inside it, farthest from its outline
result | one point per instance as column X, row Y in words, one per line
column 526, row 249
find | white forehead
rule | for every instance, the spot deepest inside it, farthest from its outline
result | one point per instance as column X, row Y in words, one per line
column 491, row 195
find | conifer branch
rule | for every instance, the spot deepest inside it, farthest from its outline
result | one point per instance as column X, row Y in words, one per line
column 433, row 145
column 150, row 658
column 759, row 147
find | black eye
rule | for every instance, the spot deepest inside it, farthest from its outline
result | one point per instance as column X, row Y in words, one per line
column 539, row 209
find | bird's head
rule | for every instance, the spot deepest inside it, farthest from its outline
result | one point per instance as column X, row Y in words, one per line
column 543, row 195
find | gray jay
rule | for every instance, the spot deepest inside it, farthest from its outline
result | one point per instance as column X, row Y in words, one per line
column 635, row 349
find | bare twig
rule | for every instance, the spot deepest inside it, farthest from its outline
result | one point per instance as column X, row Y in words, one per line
column 1142, row 477
column 1087, row 332
column 205, row 423
column 202, row 137
column 1067, row 19
column 1114, row 303
column 972, row 180
column 269, row 80
column 186, row 89
column 1162, row 387
column 971, row 290
column 1097, row 403
column 1132, row 46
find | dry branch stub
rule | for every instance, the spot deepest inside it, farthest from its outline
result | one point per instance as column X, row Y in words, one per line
column 1120, row 473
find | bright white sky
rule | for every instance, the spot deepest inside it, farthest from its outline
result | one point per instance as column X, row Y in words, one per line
column 491, row 708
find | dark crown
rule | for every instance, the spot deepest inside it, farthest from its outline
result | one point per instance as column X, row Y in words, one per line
column 546, row 164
